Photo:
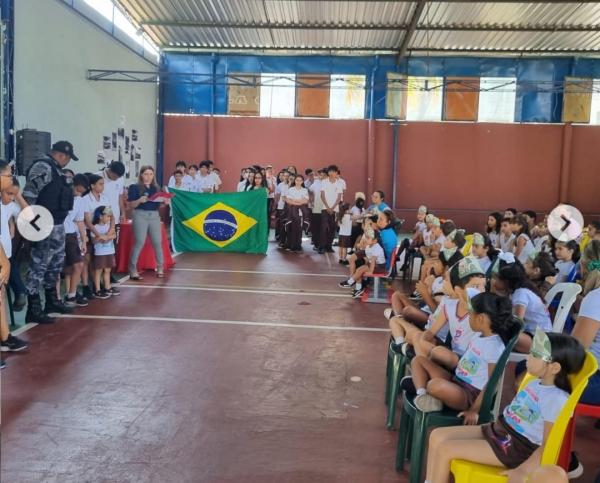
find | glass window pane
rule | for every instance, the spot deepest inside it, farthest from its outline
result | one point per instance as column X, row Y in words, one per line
column 595, row 110
column 497, row 99
column 347, row 99
column 277, row 95
column 395, row 96
column 424, row 98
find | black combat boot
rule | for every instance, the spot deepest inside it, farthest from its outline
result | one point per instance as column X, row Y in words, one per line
column 55, row 306
column 35, row 314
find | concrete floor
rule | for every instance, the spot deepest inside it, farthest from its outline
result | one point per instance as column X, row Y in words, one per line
column 213, row 374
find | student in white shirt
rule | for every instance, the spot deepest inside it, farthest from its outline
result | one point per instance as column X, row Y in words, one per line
column 104, row 252
column 523, row 246
column 205, row 182
column 314, row 193
column 528, row 304
column 242, row 183
column 587, row 326
column 309, row 178
column 91, row 201
column 215, row 174
column 567, row 255
column 296, row 199
column 517, row 439
column 492, row 227
column 345, row 234
column 461, row 387
column 178, row 184
column 192, row 171
column 280, row 193
column 506, row 238
column 75, row 244
column 483, row 249
column 271, row 185
column 331, row 195
column 114, row 188
column 373, row 262
column 187, row 179
column 10, row 207
column 342, row 184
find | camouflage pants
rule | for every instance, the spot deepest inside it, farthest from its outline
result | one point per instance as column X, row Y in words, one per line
column 47, row 260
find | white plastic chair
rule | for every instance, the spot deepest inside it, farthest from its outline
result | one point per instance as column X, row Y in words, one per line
column 569, row 292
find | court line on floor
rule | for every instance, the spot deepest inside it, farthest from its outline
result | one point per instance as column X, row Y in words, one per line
column 226, row 322
column 258, row 272
column 263, row 291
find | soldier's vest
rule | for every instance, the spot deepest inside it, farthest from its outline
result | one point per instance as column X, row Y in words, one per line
column 57, row 196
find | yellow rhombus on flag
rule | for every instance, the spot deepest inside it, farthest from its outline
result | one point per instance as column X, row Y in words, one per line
column 220, row 224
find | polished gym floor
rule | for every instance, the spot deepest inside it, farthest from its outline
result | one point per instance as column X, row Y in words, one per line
column 234, row 368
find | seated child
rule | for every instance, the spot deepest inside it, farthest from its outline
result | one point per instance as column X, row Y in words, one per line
column 523, row 246
column 567, row 255
column 454, row 240
column 528, row 303
column 506, row 238
column 464, row 280
column 516, row 440
column 483, row 249
column 372, row 262
column 540, row 270
column 461, row 388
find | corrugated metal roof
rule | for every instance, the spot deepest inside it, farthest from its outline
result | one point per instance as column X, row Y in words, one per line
column 369, row 25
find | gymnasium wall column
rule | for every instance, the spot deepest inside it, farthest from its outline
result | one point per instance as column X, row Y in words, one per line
column 210, row 138
column 565, row 163
column 370, row 157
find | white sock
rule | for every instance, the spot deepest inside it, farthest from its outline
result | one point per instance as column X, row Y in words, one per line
column 358, row 285
column 351, row 281
column 71, row 295
column 399, row 340
column 421, row 391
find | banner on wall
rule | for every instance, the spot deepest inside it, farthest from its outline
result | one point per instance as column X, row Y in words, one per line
column 220, row 222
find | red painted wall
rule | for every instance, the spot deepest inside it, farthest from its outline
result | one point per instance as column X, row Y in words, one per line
column 459, row 170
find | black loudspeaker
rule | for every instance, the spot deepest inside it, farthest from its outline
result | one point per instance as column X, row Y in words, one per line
column 31, row 145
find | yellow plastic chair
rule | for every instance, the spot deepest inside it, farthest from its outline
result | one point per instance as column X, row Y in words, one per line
column 466, row 249
column 584, row 241
column 467, row 471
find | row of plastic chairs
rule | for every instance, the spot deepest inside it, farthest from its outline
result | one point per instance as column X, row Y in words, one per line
column 414, row 424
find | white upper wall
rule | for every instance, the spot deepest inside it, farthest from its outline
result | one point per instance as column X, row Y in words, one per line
column 54, row 48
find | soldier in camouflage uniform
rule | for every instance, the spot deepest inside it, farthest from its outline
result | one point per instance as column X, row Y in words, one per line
column 47, row 186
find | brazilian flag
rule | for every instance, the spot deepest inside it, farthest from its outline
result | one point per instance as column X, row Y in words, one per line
column 220, row 222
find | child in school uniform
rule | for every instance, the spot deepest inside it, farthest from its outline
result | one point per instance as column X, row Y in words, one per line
column 345, row 234
column 461, row 386
column 492, row 227
column 539, row 268
column 523, row 246
column 483, row 249
column 528, row 303
column 373, row 262
column 506, row 238
column 75, row 244
column 104, row 252
column 517, row 439
column 567, row 255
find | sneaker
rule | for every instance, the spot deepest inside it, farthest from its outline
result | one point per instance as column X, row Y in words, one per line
column 101, row 294
column 345, row 284
column 320, row 251
column 575, row 467
column 341, row 261
column 389, row 313
column 13, row 344
column 114, row 291
column 70, row 301
column 87, row 292
column 397, row 348
column 358, row 293
column 408, row 386
column 81, row 300
column 428, row 404
column 330, row 250
column 2, row 363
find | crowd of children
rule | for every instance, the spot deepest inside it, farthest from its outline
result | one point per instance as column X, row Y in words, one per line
column 467, row 305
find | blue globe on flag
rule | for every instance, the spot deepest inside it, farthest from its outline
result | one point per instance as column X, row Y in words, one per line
column 220, row 225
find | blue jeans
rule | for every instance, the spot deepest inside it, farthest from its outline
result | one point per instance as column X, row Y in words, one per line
column 591, row 395
column 15, row 282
